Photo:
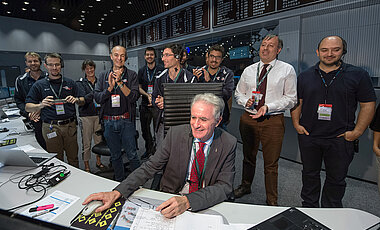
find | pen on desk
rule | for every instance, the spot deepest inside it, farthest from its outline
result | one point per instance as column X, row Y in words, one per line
column 40, row 208
column 114, row 221
column 44, row 212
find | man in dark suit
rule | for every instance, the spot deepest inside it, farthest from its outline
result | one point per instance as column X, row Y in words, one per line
column 201, row 168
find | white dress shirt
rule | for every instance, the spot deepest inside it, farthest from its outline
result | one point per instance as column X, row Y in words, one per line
column 281, row 90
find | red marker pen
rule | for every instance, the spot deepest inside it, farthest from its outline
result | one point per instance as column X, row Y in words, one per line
column 39, row 208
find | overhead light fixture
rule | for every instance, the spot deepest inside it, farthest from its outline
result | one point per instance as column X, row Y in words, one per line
column 4, row 3
column 113, row 28
column 98, row 0
column 118, row 7
column 8, row 12
column 82, row 15
column 54, row 18
column 82, row 24
column 81, row 29
column 90, row 6
column 62, row 9
column 126, row 22
column 83, row 11
column 102, row 19
column 26, row 3
column 54, row 8
column 143, row 14
column 105, row 15
column 129, row 3
column 166, row 4
column 23, row 9
column 111, row 11
column 103, row 32
column 34, row 10
column 79, row 20
column 99, row 24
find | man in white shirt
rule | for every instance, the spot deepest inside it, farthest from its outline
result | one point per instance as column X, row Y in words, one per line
column 266, row 89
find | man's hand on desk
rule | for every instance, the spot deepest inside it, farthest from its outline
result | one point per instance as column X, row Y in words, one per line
column 108, row 198
column 174, row 206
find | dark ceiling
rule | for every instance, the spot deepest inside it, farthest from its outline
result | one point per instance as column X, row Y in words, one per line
column 92, row 16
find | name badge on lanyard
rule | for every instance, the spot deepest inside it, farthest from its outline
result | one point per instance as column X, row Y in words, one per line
column 150, row 89
column 115, row 98
column 96, row 104
column 59, row 108
column 256, row 96
column 324, row 112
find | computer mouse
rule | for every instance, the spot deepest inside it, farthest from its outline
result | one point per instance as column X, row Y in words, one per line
column 91, row 207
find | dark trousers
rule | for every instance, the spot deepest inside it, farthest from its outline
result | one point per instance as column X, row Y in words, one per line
column 270, row 132
column 337, row 154
column 38, row 134
column 147, row 114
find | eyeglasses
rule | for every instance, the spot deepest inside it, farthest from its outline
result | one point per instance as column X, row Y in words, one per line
column 216, row 57
column 167, row 55
column 55, row 64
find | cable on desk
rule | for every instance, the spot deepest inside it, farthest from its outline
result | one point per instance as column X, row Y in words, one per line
column 38, row 182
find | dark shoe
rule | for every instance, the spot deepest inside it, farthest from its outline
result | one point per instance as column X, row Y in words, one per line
column 271, row 203
column 241, row 191
column 102, row 167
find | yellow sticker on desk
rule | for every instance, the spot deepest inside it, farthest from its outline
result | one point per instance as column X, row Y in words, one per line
column 100, row 220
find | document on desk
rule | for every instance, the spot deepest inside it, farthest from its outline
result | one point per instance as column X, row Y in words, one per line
column 60, row 199
column 149, row 219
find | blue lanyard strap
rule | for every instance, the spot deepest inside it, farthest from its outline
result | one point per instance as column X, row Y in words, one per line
column 147, row 73
column 325, row 84
column 216, row 74
column 258, row 75
column 60, row 90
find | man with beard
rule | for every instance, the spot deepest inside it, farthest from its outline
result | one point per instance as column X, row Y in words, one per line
column 23, row 85
column 213, row 72
column 146, row 76
column 55, row 97
column 328, row 95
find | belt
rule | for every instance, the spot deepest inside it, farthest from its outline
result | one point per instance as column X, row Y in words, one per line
column 60, row 122
column 114, row 118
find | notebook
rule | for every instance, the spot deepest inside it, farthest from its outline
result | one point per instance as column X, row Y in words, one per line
column 17, row 157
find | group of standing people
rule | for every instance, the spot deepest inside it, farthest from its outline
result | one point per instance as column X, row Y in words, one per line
column 323, row 101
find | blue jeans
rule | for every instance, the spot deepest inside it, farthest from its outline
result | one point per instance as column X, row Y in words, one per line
column 120, row 134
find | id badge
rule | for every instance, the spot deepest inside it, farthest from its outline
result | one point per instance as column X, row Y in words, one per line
column 51, row 135
column 256, row 95
column 324, row 112
column 150, row 89
column 59, row 108
column 115, row 100
column 96, row 104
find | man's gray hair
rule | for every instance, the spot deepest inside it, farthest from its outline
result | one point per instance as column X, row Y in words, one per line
column 212, row 99
column 270, row 36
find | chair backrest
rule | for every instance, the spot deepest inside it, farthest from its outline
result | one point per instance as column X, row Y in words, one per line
column 178, row 97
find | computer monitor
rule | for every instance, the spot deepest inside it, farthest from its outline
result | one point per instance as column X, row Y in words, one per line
column 4, row 92
column 12, row 91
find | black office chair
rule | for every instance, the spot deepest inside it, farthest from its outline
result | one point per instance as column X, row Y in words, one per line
column 103, row 150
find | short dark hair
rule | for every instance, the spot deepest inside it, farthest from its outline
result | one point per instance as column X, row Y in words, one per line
column 344, row 43
column 88, row 62
column 150, row 49
column 176, row 49
column 216, row 47
column 53, row 55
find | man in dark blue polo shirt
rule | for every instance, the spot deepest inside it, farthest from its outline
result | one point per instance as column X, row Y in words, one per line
column 55, row 97
column 117, row 90
column 328, row 95
column 213, row 72
column 146, row 76
column 23, row 84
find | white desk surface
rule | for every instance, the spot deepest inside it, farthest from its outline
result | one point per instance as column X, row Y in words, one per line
column 81, row 184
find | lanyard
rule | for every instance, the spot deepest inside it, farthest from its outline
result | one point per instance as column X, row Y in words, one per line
column 216, row 74
column 150, row 77
column 196, row 162
column 324, row 82
column 266, row 74
column 89, row 84
column 60, row 90
column 176, row 78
